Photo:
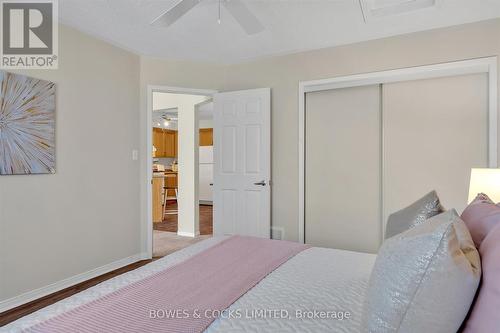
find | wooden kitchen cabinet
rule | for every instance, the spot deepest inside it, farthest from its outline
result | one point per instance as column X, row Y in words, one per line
column 170, row 138
column 159, row 142
column 165, row 142
column 206, row 137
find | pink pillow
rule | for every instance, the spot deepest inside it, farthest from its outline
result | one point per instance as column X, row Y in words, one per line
column 485, row 315
column 482, row 217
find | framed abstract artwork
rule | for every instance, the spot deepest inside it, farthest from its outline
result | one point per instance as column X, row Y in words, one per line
column 27, row 125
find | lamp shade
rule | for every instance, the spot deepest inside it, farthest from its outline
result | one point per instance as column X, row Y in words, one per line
column 485, row 181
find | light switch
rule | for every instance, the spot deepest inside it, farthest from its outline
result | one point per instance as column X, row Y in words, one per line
column 135, row 154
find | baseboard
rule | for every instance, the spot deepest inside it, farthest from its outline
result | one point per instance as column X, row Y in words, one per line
column 188, row 234
column 206, row 202
column 68, row 282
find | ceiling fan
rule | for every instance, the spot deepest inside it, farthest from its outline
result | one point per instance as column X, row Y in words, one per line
column 165, row 121
column 168, row 118
column 248, row 21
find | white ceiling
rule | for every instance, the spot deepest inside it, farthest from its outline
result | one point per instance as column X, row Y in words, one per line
column 291, row 25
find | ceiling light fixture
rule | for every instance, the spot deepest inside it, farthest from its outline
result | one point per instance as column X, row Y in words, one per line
column 166, row 123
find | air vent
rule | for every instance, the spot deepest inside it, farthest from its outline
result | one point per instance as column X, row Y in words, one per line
column 384, row 8
column 277, row 233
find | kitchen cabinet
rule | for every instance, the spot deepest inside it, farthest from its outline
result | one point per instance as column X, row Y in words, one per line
column 170, row 138
column 206, row 137
column 165, row 142
column 159, row 142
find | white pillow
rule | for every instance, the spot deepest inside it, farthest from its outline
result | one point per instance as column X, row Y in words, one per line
column 424, row 279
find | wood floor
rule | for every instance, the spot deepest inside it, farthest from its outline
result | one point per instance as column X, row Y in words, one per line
column 169, row 224
column 170, row 221
column 25, row 309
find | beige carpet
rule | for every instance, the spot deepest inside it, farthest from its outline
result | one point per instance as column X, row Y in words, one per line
column 168, row 242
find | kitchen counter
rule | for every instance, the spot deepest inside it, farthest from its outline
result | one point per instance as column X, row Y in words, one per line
column 160, row 174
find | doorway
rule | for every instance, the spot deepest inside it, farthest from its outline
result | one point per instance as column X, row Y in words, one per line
column 174, row 168
column 241, row 164
column 205, row 125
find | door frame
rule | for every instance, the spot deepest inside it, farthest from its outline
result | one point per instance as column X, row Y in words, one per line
column 486, row 65
column 147, row 174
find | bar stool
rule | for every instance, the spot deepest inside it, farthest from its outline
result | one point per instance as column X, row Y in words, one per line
column 167, row 198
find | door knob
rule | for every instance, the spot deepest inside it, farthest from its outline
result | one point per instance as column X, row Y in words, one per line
column 261, row 183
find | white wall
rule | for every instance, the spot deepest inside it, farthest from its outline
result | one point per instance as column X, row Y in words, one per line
column 205, row 123
column 283, row 73
column 86, row 215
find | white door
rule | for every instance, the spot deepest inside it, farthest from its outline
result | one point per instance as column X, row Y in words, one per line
column 242, row 163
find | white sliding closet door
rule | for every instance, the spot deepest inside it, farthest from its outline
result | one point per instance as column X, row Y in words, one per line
column 435, row 130
column 343, row 168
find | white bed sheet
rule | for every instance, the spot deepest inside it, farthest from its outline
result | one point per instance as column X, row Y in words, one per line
column 316, row 279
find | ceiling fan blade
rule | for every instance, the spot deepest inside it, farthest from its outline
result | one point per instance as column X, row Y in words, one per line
column 173, row 14
column 244, row 16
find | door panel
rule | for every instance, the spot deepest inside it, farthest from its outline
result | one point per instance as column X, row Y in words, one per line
column 435, row 131
column 343, row 167
column 242, row 162
column 228, row 149
column 252, row 149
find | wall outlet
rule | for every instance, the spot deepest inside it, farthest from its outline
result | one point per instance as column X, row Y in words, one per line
column 135, row 154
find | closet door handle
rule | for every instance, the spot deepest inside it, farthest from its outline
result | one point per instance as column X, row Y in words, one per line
column 261, row 183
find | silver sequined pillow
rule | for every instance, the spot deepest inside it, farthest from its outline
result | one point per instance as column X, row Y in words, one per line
column 424, row 279
column 416, row 213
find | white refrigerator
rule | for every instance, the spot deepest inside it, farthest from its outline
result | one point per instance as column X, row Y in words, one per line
column 206, row 177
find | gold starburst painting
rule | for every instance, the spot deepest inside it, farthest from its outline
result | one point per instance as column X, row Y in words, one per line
column 27, row 125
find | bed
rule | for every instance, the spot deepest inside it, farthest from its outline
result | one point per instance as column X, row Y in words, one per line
column 316, row 290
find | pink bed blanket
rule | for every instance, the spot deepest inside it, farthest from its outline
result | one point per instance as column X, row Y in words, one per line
column 186, row 297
